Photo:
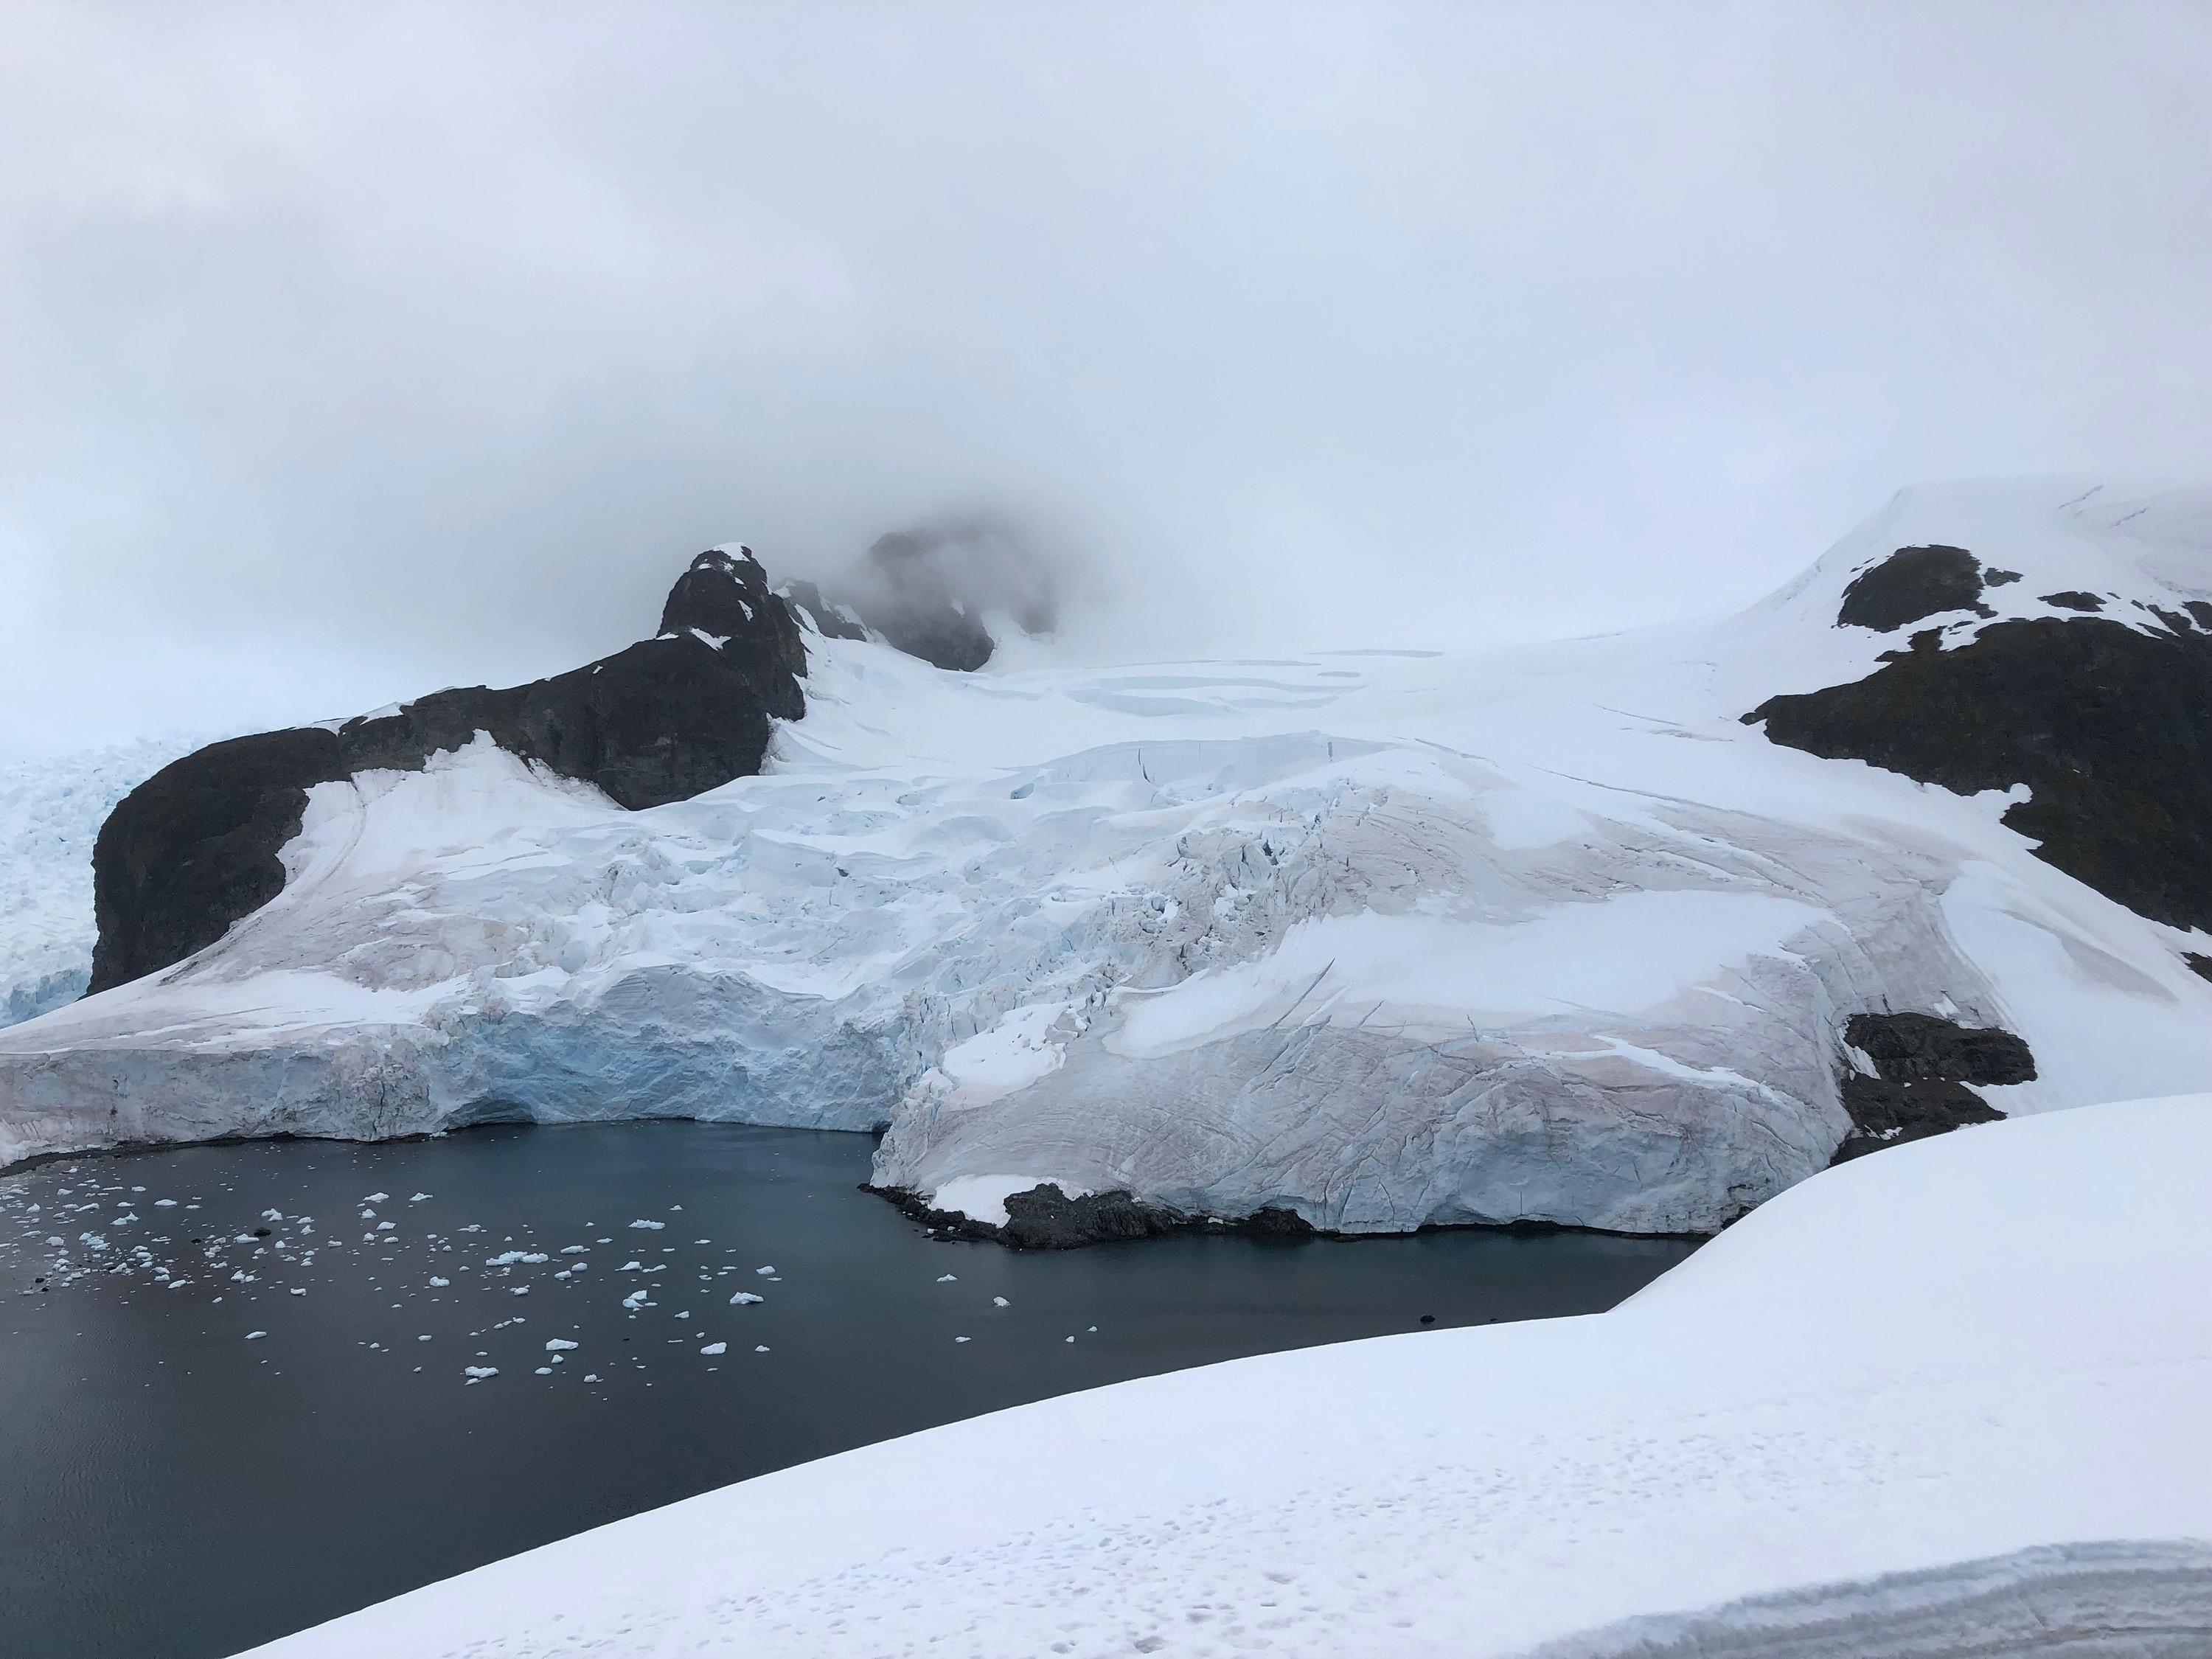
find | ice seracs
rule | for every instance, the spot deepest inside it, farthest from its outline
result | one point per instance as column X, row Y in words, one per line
column 1362, row 941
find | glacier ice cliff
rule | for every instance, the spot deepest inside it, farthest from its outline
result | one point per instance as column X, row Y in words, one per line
column 1376, row 939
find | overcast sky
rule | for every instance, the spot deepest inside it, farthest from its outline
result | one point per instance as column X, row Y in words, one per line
column 349, row 351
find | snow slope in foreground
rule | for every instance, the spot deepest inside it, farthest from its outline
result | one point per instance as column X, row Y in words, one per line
column 1991, row 1344
column 1382, row 939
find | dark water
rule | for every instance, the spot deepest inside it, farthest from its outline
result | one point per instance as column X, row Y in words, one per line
column 171, row 1486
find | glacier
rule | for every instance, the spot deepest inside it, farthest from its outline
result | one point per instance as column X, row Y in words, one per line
column 1378, row 939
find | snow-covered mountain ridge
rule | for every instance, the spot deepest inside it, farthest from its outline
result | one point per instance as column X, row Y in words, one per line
column 1374, row 939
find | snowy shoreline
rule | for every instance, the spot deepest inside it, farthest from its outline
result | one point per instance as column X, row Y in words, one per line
column 1897, row 1366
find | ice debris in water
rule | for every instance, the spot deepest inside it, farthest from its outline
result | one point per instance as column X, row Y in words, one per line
column 743, row 1297
column 1001, row 1302
column 376, row 1197
column 557, row 1344
column 253, row 1335
column 418, row 1198
column 763, row 1271
column 439, row 1284
column 759, row 1347
column 948, row 1279
column 654, row 1225
column 478, row 1373
column 272, row 1215
column 715, row 1347
column 507, row 1258
column 425, row 1337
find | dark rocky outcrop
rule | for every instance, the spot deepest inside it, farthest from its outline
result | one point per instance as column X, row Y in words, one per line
column 2110, row 728
column 1046, row 1219
column 828, row 618
column 903, row 595
column 195, row 847
column 1915, row 582
column 1924, row 1065
column 2073, row 598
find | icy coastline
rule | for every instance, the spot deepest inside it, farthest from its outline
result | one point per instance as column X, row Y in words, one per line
column 1372, row 939
column 1920, row 1399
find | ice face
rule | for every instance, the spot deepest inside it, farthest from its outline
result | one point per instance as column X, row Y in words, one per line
column 1376, row 939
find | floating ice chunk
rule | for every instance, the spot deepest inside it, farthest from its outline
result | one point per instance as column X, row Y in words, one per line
column 743, row 1297
column 478, row 1373
column 763, row 1271
column 507, row 1258
column 634, row 1299
column 948, row 1279
column 631, row 1267
column 759, row 1347
column 1001, row 1302
column 164, row 1203
column 272, row 1215
column 255, row 1336
column 654, row 1226
column 384, row 1226
column 574, row 1249
column 1069, row 1338
column 563, row 1274
column 56, row 1239
column 715, row 1347
column 519, row 1290
column 685, row 1315
column 418, row 1198
column 425, row 1337
column 558, row 1344
column 544, row 1370
column 591, row 1376
column 376, row 1197
column 299, row 1289
column 961, row 1339
column 439, row 1284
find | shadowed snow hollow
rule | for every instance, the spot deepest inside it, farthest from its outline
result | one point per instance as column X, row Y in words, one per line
column 1378, row 939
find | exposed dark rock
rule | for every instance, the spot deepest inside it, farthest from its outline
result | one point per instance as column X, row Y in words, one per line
column 2073, row 598
column 2200, row 609
column 1911, row 583
column 195, row 847
column 1993, row 578
column 905, row 598
column 2110, row 728
column 1046, row 1219
column 828, row 619
column 1924, row 1065
column 2198, row 964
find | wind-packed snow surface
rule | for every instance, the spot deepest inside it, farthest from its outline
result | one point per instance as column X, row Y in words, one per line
column 1927, row 1400
column 50, row 810
column 1380, row 937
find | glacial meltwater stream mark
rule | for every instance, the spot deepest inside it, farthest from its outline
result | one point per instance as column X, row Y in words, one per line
column 247, row 1388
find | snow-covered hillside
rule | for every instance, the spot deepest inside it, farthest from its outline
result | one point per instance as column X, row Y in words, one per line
column 51, row 812
column 1945, row 1401
column 1373, row 938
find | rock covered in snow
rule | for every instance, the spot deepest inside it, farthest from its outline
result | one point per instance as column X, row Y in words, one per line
column 2107, row 721
column 196, row 846
column 1359, row 941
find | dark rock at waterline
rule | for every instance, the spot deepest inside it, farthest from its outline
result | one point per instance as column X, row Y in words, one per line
column 2110, row 728
column 195, row 847
column 1911, row 583
column 1046, row 1219
column 1924, row 1065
